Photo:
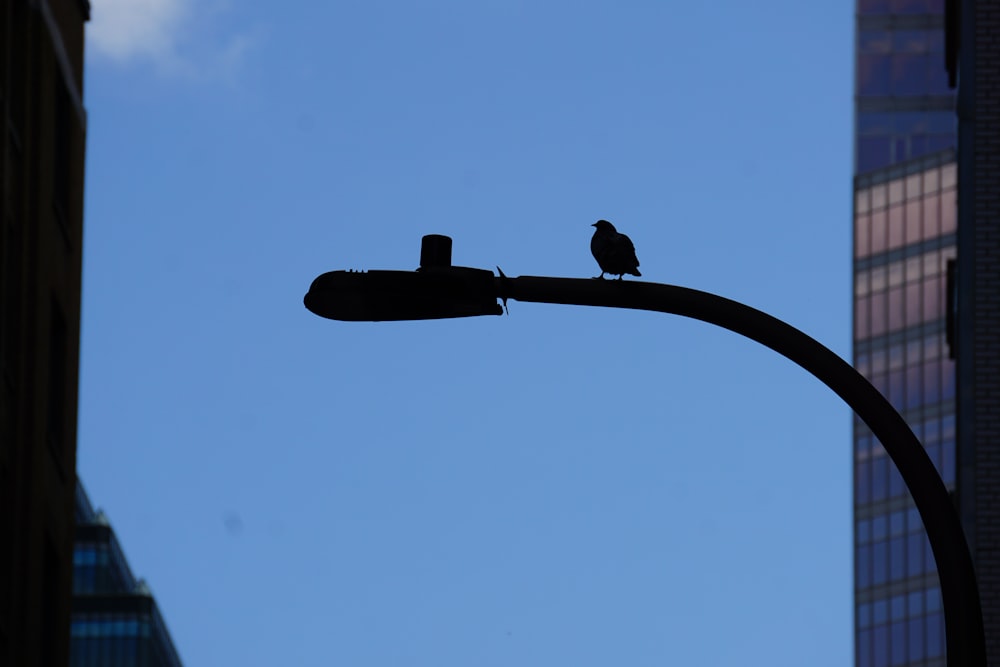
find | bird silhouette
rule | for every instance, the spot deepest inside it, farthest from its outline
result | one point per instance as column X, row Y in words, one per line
column 613, row 251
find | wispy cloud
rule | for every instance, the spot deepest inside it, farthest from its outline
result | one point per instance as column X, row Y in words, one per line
column 166, row 33
column 134, row 29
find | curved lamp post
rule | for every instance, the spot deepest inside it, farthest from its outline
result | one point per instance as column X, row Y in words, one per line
column 439, row 290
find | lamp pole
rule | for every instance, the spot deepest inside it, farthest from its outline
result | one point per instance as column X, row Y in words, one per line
column 439, row 290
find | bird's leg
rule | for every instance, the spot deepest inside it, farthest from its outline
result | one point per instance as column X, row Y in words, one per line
column 600, row 277
column 620, row 276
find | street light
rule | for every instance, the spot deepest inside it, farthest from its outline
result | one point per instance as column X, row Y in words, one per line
column 439, row 290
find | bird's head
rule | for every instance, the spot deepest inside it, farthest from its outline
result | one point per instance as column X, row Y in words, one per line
column 604, row 226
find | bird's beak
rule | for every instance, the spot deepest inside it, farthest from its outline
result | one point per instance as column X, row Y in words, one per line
column 594, row 225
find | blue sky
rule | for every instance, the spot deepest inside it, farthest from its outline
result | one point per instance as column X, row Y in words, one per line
column 560, row 486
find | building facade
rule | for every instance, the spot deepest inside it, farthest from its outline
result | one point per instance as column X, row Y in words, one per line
column 41, row 222
column 115, row 621
column 974, row 61
column 926, row 306
column 905, row 224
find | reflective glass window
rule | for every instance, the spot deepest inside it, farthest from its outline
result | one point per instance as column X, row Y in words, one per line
column 932, row 262
column 914, row 312
column 881, row 382
column 948, row 421
column 879, row 229
column 896, row 275
column 873, row 6
column 934, row 631
column 879, row 278
column 915, row 603
column 949, row 175
column 887, row 137
column 864, row 615
column 863, row 362
column 861, row 201
column 880, row 527
column 908, row 6
column 862, row 446
column 863, row 567
column 934, row 346
column 948, row 461
column 897, row 523
column 878, row 123
column 896, row 321
column 897, row 607
column 880, row 646
column 862, row 482
column 947, row 379
column 940, row 142
column 895, row 192
column 873, row 152
column 915, row 647
column 880, row 611
column 897, row 562
column 875, row 41
column 916, row 267
column 948, row 211
column 933, row 292
column 873, row 73
column 879, row 478
column 862, row 531
column 913, row 521
column 895, row 226
column 941, row 122
column 864, row 648
column 879, row 360
column 862, row 325
column 932, row 382
column 908, row 73
column 897, row 634
column 877, row 314
column 880, row 563
column 879, row 195
column 914, row 232
column 861, row 283
column 862, row 244
column 932, row 180
column 938, row 85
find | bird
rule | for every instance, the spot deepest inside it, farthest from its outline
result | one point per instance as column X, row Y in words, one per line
column 613, row 251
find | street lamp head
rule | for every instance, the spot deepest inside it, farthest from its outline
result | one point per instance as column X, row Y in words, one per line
column 434, row 291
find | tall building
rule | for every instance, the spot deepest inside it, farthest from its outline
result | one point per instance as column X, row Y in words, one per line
column 926, row 306
column 116, row 622
column 974, row 63
column 905, row 221
column 41, row 223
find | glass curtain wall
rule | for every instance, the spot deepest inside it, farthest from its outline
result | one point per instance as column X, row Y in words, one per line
column 904, row 235
column 115, row 620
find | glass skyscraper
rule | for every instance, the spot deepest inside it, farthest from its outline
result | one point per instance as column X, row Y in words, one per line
column 115, row 620
column 905, row 218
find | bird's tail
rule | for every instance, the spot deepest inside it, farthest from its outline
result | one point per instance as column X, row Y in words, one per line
column 635, row 272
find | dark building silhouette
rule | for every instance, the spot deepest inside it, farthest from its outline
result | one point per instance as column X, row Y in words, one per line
column 41, row 172
column 974, row 61
column 926, row 306
column 116, row 622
